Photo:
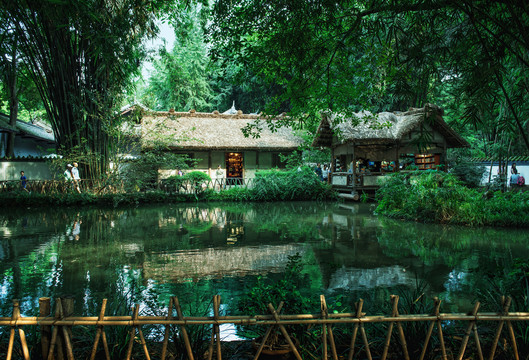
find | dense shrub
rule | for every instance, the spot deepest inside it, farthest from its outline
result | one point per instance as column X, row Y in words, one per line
column 469, row 173
column 434, row 196
column 302, row 184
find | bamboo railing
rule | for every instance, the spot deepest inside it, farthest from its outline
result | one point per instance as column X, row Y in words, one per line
column 57, row 343
column 51, row 187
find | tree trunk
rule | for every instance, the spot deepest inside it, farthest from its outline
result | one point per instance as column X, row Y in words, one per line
column 11, row 77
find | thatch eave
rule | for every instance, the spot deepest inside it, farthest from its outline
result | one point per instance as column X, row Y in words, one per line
column 192, row 131
column 384, row 128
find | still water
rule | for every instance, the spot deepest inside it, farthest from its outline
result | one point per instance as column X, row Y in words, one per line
column 147, row 254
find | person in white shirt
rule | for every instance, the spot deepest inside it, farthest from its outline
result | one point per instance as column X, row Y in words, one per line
column 76, row 177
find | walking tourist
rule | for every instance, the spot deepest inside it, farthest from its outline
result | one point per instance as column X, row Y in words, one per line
column 23, row 181
column 76, row 177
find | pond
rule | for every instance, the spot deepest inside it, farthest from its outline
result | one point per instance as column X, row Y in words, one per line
column 147, row 254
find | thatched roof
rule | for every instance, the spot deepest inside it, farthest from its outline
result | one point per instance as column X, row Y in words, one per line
column 383, row 128
column 208, row 131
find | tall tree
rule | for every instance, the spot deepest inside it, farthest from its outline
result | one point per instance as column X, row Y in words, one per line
column 82, row 55
column 9, row 57
column 180, row 78
column 348, row 55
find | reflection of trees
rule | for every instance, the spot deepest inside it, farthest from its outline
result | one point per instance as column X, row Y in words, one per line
column 471, row 256
column 114, row 245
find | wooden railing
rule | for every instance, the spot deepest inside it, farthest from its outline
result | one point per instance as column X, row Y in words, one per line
column 107, row 187
column 62, row 186
column 56, row 331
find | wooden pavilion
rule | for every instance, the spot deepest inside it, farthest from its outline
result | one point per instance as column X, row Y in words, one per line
column 367, row 146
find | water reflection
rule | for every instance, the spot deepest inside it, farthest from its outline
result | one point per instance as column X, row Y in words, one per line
column 141, row 254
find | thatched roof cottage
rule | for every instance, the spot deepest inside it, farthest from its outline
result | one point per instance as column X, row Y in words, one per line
column 217, row 139
column 367, row 145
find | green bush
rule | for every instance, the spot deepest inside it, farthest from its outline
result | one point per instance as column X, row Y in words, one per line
column 198, row 180
column 435, row 196
column 303, row 184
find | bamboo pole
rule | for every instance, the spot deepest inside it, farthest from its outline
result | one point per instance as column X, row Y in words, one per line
column 58, row 315
column 101, row 331
column 11, row 335
column 45, row 331
column 467, row 333
column 183, row 329
column 260, row 319
column 441, row 337
column 284, row 332
column 390, row 330
column 143, row 342
column 513, row 340
column 167, row 328
column 358, row 305
column 437, row 304
column 140, row 333
column 359, row 314
column 478, row 344
column 285, row 320
column 401, row 332
column 215, row 333
column 328, row 327
column 506, row 304
column 217, row 328
column 23, row 343
column 267, row 334
column 67, row 310
column 324, row 329
column 132, row 333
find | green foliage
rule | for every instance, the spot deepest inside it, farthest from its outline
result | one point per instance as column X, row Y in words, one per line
column 198, row 180
column 470, row 174
column 142, row 173
column 81, row 56
column 180, row 79
column 433, row 196
column 266, row 291
column 273, row 185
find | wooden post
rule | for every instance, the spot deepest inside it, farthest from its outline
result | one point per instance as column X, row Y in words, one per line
column 217, row 329
column 215, row 333
column 101, row 331
column 437, row 304
column 359, row 314
column 284, row 332
column 56, row 340
column 395, row 313
column 167, row 328
column 14, row 318
column 45, row 331
column 210, row 163
column 183, row 328
column 506, row 304
column 327, row 330
column 67, row 310
column 267, row 334
column 467, row 334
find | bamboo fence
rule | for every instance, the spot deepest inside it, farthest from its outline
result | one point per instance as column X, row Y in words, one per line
column 51, row 187
column 56, row 330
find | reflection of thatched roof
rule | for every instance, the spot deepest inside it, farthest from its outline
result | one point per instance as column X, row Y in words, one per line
column 182, row 266
column 384, row 128
column 200, row 131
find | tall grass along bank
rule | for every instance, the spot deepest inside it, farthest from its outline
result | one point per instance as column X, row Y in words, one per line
column 434, row 196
